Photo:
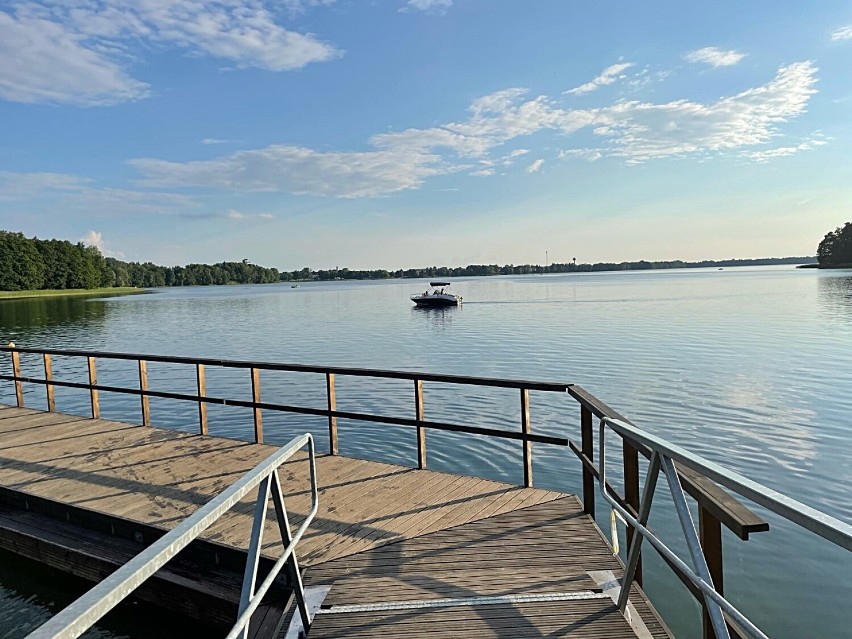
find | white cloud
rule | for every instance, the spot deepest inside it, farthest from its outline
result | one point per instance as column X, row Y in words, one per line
column 642, row 131
column 23, row 186
column 432, row 6
column 633, row 131
column 714, row 57
column 71, row 50
column 298, row 170
column 765, row 155
column 41, row 61
column 93, row 238
column 112, row 202
column 843, row 33
column 607, row 76
column 535, row 167
column 213, row 141
column 96, row 239
column 233, row 214
column 592, row 155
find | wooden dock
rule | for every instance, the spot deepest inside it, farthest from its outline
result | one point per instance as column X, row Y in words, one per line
column 403, row 552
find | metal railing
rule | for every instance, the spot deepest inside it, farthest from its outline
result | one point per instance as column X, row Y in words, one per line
column 717, row 508
column 663, row 457
column 200, row 365
column 88, row 609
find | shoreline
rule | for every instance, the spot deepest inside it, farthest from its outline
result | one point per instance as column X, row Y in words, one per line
column 69, row 292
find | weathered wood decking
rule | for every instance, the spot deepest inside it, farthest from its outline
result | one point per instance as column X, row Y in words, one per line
column 384, row 534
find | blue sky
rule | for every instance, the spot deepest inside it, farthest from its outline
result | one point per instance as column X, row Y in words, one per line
column 399, row 133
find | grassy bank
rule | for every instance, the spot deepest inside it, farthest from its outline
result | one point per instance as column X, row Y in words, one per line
column 11, row 295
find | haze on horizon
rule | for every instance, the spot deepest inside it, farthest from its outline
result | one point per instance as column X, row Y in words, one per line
column 408, row 133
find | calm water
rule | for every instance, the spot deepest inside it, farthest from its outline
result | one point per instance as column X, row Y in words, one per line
column 749, row 367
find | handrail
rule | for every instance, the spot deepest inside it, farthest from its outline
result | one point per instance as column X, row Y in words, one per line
column 663, row 456
column 303, row 410
column 523, row 434
column 83, row 613
column 733, row 514
column 716, row 506
column 822, row 524
column 556, row 387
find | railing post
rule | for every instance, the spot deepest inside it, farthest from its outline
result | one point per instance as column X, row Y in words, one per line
column 255, row 398
column 526, row 430
column 93, row 392
column 16, row 371
column 48, row 377
column 143, row 386
column 631, row 494
column 710, row 533
column 332, row 420
column 418, row 415
column 588, row 446
column 202, row 391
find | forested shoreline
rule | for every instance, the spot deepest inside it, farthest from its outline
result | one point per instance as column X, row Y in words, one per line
column 34, row 264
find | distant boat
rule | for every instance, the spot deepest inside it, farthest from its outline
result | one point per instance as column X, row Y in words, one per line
column 294, row 286
column 437, row 297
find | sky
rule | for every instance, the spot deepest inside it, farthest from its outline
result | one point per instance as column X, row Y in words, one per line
column 406, row 133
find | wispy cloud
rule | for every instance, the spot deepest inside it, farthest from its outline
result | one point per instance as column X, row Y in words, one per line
column 429, row 6
column 23, row 186
column 535, row 167
column 607, row 76
column 298, row 170
column 213, row 141
column 74, row 194
column 640, row 131
column 233, row 214
column 765, row 155
column 632, row 131
column 42, row 61
column 592, row 155
column 843, row 33
column 73, row 51
column 714, row 57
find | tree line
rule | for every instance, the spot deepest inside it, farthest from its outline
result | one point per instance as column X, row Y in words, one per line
column 835, row 250
column 485, row 270
column 34, row 264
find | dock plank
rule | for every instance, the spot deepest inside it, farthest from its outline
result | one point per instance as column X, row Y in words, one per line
column 383, row 532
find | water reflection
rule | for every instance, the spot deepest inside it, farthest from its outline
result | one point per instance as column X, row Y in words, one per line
column 835, row 295
column 437, row 318
column 25, row 318
column 745, row 366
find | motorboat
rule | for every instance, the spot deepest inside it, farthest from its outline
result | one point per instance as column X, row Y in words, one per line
column 437, row 296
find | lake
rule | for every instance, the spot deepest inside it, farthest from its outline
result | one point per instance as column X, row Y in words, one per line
column 750, row 367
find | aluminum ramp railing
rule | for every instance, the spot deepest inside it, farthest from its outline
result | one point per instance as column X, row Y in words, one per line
column 89, row 608
column 663, row 457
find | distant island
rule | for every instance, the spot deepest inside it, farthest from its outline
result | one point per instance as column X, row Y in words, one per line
column 835, row 250
column 31, row 264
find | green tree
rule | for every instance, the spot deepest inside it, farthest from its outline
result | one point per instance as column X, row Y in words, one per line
column 21, row 264
column 836, row 247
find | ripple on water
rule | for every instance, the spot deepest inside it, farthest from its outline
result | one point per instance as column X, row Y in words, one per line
column 749, row 367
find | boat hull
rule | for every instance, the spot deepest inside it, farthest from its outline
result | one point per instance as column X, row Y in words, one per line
column 435, row 301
